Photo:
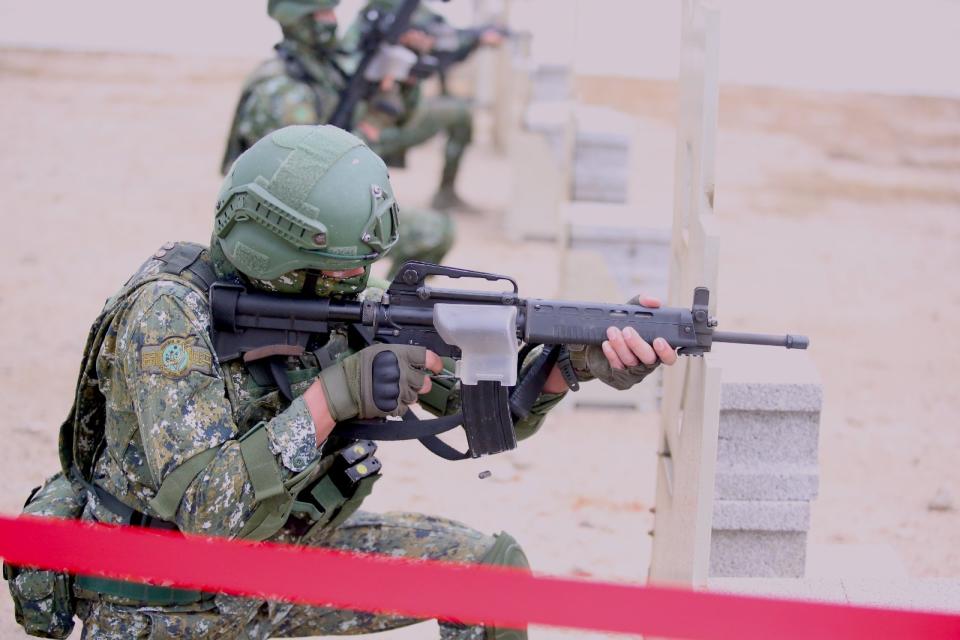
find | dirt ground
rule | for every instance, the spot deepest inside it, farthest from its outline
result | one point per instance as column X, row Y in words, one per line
column 840, row 216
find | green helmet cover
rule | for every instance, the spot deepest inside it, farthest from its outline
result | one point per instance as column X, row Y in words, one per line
column 289, row 11
column 306, row 199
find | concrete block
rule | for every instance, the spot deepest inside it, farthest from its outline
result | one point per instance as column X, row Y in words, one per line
column 602, row 154
column 603, row 127
column 637, row 255
column 761, row 515
column 757, row 553
column 824, row 589
column 553, row 121
column 551, row 82
column 766, row 482
column 767, row 379
column 752, row 438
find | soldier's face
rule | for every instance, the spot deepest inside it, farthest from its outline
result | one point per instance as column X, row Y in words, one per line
column 327, row 282
column 325, row 28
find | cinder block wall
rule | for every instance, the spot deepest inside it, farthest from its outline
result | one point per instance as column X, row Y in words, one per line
column 767, row 470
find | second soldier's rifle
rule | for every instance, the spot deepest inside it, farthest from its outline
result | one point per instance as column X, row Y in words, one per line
column 483, row 330
column 383, row 28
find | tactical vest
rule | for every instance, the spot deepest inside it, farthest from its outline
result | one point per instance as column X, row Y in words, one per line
column 286, row 63
column 320, row 497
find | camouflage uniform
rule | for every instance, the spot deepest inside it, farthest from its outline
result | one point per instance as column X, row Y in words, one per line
column 168, row 399
column 275, row 96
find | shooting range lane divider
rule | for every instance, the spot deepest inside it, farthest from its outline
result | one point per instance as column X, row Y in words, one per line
column 442, row 590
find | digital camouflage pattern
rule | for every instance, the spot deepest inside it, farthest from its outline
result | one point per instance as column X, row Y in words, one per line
column 226, row 617
column 43, row 603
column 167, row 399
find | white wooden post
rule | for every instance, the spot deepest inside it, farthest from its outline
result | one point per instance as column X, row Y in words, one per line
column 691, row 396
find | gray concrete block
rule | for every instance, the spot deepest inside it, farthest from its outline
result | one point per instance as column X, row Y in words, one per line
column 766, row 482
column 601, row 155
column 761, row 515
column 553, row 121
column 750, row 438
column 636, row 255
column 824, row 589
column 757, row 553
column 767, row 379
column 551, row 82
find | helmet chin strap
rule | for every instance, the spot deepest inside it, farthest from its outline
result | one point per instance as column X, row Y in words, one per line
column 310, row 283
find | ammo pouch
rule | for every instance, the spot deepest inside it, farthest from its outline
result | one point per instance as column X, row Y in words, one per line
column 338, row 493
column 43, row 601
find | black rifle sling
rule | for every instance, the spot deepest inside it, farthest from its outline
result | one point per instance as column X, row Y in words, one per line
column 410, row 428
column 531, row 384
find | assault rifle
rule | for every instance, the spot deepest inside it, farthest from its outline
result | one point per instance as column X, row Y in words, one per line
column 453, row 47
column 481, row 329
column 383, row 28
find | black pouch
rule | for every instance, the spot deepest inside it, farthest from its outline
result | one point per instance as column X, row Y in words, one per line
column 43, row 601
column 338, row 493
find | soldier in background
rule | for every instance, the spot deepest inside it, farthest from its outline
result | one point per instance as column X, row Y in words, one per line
column 301, row 85
column 399, row 117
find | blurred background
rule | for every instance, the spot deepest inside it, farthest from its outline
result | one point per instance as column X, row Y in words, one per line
column 837, row 196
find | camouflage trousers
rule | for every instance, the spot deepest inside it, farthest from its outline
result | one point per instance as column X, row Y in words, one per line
column 425, row 235
column 226, row 617
column 443, row 113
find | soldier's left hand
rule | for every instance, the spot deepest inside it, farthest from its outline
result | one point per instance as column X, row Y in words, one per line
column 621, row 361
column 625, row 349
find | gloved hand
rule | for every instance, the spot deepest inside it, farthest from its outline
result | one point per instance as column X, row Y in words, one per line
column 625, row 358
column 378, row 381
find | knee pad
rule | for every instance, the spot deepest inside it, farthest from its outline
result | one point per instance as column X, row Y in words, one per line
column 506, row 552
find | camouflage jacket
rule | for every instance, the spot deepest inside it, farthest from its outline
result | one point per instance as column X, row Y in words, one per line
column 294, row 87
column 168, row 399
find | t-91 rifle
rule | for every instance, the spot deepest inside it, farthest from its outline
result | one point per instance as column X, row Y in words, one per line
column 482, row 330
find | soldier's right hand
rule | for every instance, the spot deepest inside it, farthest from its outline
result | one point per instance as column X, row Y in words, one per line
column 378, row 381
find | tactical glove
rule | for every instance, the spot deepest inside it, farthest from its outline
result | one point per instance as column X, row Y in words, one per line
column 589, row 362
column 378, row 381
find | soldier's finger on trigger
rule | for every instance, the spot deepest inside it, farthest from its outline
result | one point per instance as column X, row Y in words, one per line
column 427, row 385
column 612, row 356
column 433, row 362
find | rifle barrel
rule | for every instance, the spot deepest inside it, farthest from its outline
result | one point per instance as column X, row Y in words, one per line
column 788, row 341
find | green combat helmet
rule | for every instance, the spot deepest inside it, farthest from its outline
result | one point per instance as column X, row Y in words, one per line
column 303, row 200
column 298, row 24
column 289, row 11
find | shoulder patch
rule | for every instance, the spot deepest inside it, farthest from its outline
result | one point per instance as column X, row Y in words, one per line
column 176, row 357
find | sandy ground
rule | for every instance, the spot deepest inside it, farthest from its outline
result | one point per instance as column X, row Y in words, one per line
column 841, row 219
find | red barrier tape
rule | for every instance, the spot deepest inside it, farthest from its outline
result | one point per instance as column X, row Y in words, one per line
column 435, row 589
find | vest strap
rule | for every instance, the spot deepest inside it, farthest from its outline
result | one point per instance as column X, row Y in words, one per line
column 273, row 502
column 171, row 490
